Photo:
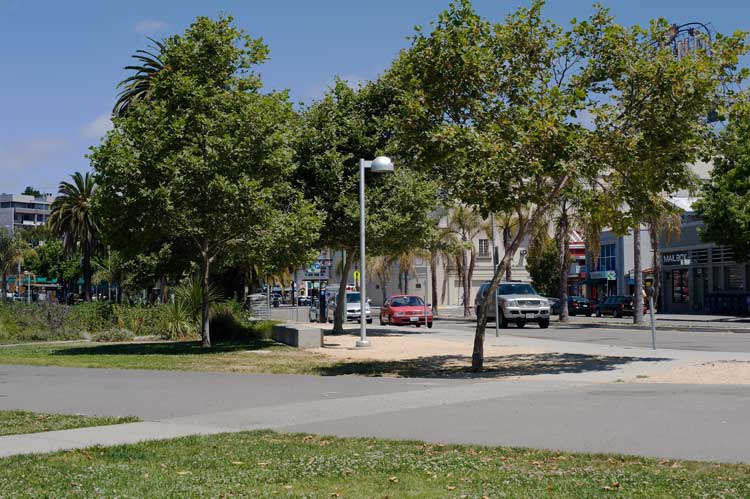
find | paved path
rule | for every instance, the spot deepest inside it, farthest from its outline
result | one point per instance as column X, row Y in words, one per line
column 576, row 411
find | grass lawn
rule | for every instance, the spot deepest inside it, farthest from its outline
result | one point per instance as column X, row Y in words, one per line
column 18, row 422
column 257, row 356
column 266, row 464
column 264, row 356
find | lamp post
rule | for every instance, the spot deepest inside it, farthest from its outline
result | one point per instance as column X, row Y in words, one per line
column 381, row 164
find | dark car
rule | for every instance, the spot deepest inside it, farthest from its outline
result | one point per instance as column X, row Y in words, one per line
column 578, row 305
column 554, row 306
column 616, row 306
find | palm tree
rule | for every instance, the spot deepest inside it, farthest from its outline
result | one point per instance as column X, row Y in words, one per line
column 667, row 224
column 72, row 218
column 467, row 224
column 380, row 267
column 11, row 253
column 138, row 86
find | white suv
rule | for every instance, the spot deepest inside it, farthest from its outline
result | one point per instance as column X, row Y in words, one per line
column 518, row 302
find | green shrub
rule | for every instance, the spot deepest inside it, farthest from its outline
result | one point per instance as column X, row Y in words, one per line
column 176, row 321
column 114, row 334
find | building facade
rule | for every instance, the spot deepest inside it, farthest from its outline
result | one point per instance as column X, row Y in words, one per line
column 20, row 211
column 613, row 271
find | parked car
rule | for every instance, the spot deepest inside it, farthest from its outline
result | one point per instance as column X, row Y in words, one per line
column 578, row 305
column 518, row 303
column 554, row 306
column 405, row 310
column 353, row 308
column 303, row 301
column 616, row 306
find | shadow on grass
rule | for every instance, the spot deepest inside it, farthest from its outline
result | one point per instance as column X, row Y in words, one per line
column 458, row 366
column 166, row 348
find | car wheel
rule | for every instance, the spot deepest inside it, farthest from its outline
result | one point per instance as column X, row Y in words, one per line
column 544, row 323
column 616, row 314
column 429, row 325
column 521, row 324
column 369, row 321
column 598, row 313
column 503, row 321
column 588, row 315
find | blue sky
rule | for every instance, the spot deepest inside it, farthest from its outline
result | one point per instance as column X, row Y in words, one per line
column 60, row 61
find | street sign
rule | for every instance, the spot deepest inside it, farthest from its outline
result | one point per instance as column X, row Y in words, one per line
column 357, row 275
column 611, row 275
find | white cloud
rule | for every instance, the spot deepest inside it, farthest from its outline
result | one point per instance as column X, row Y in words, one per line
column 97, row 128
column 29, row 152
column 149, row 26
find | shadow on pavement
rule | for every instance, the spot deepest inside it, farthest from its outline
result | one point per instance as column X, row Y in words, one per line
column 458, row 366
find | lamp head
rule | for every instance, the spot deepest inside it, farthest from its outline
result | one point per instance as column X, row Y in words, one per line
column 381, row 164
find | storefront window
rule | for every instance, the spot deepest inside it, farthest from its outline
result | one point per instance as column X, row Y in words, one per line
column 680, row 290
column 734, row 278
column 607, row 257
column 715, row 272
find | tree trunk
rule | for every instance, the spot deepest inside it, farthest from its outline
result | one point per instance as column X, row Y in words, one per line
column 466, row 283
column 637, row 293
column 87, row 274
column 383, row 287
column 339, row 316
column 506, row 247
column 564, row 242
column 406, row 281
column 433, row 278
column 163, row 288
column 477, row 356
column 205, row 333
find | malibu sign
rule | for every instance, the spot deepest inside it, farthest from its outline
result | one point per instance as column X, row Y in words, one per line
column 678, row 258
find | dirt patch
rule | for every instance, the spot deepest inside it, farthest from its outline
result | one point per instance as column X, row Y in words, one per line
column 732, row 372
column 404, row 347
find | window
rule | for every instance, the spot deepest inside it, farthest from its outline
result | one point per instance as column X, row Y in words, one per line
column 515, row 289
column 734, row 277
column 607, row 258
column 484, row 247
column 680, row 290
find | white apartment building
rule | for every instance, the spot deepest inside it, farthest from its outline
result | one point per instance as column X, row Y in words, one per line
column 20, row 210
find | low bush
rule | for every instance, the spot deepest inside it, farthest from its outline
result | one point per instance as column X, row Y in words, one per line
column 104, row 321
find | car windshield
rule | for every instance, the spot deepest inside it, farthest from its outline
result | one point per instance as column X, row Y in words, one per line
column 407, row 301
column 515, row 289
column 352, row 298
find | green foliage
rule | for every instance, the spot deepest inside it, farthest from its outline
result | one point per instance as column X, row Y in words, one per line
column 204, row 164
column 50, row 260
column 725, row 205
column 347, row 125
column 31, row 191
column 544, row 267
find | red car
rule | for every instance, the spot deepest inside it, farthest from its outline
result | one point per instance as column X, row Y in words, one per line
column 402, row 310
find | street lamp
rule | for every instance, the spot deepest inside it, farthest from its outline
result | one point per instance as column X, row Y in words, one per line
column 381, row 164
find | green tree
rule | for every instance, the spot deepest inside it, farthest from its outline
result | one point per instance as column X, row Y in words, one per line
column 205, row 163
column 725, row 205
column 489, row 108
column 31, row 191
column 654, row 123
column 51, row 260
column 11, row 252
column 73, row 218
column 543, row 266
column 344, row 126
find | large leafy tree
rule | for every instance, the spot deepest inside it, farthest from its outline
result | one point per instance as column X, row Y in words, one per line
column 725, row 205
column 654, row 124
column 74, row 219
column 344, row 126
column 205, row 162
column 489, row 108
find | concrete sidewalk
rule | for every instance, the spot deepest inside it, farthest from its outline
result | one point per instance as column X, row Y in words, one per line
column 580, row 410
